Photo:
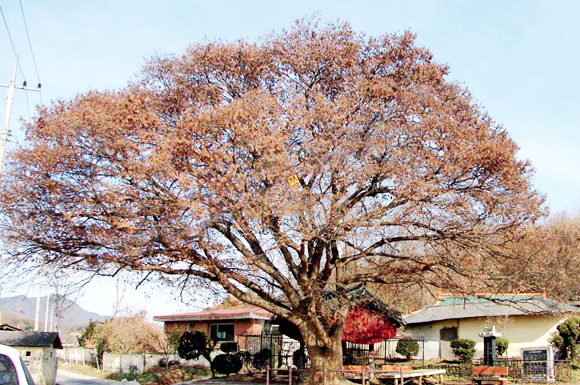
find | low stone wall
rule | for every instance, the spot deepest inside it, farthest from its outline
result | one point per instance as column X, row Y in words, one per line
column 78, row 355
column 121, row 363
column 139, row 363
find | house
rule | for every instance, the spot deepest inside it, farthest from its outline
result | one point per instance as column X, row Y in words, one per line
column 38, row 351
column 524, row 319
column 369, row 321
column 9, row 328
column 222, row 325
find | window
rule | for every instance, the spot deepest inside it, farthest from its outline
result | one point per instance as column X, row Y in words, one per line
column 271, row 329
column 7, row 371
column 448, row 334
column 221, row 332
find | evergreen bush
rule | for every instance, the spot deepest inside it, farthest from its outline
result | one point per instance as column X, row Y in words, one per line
column 463, row 349
column 226, row 364
column 407, row 348
column 501, row 346
column 262, row 359
column 566, row 338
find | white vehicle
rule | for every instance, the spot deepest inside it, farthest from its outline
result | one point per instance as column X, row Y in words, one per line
column 13, row 371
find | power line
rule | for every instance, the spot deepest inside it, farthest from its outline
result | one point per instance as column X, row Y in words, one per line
column 11, row 41
column 29, row 42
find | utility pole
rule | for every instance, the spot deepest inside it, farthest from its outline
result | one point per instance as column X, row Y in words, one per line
column 46, row 313
column 37, row 312
column 4, row 140
column 9, row 98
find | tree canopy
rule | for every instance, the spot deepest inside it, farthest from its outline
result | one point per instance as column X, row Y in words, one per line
column 284, row 171
column 550, row 248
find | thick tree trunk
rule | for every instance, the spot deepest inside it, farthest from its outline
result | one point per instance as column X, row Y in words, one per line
column 326, row 361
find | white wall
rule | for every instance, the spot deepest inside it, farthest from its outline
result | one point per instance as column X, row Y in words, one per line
column 41, row 362
column 521, row 332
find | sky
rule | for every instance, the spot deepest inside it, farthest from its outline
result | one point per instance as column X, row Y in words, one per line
column 519, row 59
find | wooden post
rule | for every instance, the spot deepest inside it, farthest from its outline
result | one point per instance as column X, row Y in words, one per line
column 290, row 376
column 364, row 374
column 324, row 374
column 268, row 375
column 401, row 374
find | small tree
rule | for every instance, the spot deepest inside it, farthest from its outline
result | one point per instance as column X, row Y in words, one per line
column 168, row 343
column 194, row 345
column 407, row 348
column 566, row 338
column 463, row 349
column 262, row 358
column 501, row 346
column 87, row 338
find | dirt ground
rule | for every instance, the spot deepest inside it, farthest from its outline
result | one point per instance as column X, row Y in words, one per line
column 225, row 381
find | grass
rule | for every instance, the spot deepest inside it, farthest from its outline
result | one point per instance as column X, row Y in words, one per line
column 153, row 376
column 84, row 370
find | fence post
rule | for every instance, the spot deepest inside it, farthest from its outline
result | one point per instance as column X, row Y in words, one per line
column 268, row 375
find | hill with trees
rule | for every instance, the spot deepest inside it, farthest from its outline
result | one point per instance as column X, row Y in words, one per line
column 20, row 311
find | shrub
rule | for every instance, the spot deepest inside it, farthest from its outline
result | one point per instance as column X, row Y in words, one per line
column 245, row 357
column 164, row 364
column 173, row 375
column 566, row 338
column 193, row 345
column 229, row 347
column 463, row 349
column 407, row 348
column 226, row 364
column 262, row 359
column 501, row 346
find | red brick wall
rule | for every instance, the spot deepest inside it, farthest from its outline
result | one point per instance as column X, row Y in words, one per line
column 241, row 327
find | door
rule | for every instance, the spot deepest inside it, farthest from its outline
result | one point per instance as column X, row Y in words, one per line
column 446, row 335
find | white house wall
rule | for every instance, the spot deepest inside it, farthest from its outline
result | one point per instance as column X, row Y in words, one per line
column 520, row 331
column 430, row 333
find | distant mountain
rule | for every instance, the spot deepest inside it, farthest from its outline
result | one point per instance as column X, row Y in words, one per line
column 20, row 311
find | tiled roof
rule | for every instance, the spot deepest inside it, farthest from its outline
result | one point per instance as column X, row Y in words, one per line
column 250, row 312
column 458, row 307
column 30, row 339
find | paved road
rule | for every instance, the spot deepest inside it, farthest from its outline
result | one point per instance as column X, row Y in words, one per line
column 67, row 378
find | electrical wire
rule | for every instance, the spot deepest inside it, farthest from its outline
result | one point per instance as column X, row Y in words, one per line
column 29, row 42
column 11, row 41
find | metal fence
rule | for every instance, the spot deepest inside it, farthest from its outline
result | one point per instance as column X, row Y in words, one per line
column 518, row 369
column 384, row 352
column 281, row 347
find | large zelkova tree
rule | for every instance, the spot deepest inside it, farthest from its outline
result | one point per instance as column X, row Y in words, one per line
column 285, row 172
